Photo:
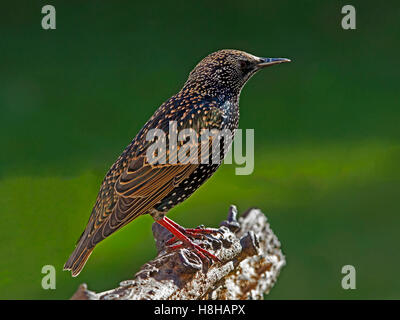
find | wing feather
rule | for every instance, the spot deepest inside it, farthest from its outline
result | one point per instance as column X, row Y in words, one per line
column 140, row 186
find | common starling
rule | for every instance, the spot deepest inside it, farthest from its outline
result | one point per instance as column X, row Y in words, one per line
column 133, row 186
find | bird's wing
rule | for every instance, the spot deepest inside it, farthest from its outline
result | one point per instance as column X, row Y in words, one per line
column 138, row 191
column 142, row 185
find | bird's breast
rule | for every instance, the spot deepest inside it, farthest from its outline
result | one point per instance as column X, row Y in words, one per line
column 230, row 115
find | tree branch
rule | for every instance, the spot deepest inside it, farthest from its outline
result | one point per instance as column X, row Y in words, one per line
column 251, row 259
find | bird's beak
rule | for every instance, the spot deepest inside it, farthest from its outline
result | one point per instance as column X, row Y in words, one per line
column 266, row 62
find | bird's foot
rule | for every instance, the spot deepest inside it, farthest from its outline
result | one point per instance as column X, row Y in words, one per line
column 202, row 253
column 185, row 236
column 196, row 233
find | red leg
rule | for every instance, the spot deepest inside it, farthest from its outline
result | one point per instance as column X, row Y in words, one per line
column 191, row 231
column 177, row 231
column 197, row 233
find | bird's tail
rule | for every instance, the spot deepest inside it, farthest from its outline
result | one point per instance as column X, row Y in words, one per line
column 78, row 258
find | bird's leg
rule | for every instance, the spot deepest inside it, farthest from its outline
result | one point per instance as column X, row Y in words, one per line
column 197, row 233
column 178, row 233
column 193, row 231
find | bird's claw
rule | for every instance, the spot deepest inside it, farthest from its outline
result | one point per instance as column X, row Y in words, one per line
column 185, row 236
column 202, row 253
column 196, row 233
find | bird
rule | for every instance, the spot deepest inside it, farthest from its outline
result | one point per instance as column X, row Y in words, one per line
column 135, row 186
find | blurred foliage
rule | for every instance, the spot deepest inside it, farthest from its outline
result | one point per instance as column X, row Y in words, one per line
column 327, row 155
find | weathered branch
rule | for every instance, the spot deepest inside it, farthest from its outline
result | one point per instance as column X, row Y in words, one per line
column 251, row 259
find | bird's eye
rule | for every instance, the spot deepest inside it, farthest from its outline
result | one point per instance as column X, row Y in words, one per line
column 244, row 65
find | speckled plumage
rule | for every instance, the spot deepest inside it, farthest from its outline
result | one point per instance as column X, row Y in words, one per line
column 133, row 187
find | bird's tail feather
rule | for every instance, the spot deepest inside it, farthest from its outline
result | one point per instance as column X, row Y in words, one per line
column 78, row 258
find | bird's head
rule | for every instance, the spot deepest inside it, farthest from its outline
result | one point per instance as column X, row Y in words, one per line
column 227, row 71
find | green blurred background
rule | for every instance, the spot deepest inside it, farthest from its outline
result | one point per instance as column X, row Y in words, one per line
column 327, row 158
